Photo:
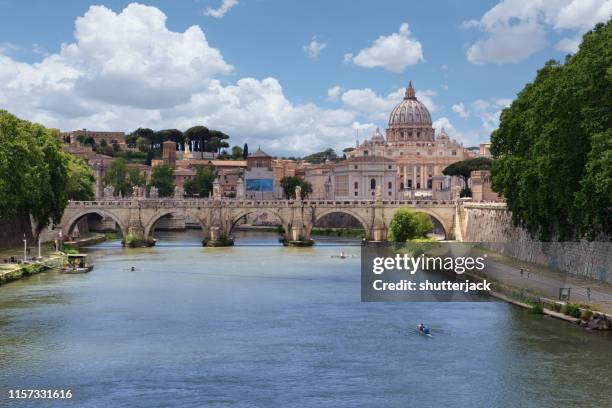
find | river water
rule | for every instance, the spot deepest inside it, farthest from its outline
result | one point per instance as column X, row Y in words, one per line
column 261, row 325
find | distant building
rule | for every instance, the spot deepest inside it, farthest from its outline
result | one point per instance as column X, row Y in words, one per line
column 110, row 138
column 356, row 178
column 419, row 153
column 259, row 177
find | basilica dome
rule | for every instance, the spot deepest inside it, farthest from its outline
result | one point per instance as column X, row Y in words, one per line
column 410, row 111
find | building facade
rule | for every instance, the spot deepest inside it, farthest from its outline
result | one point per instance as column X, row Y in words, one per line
column 421, row 155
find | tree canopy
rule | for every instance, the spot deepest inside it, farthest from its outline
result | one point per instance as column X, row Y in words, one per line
column 407, row 224
column 162, row 177
column 290, row 183
column 202, row 183
column 35, row 172
column 554, row 147
column 321, row 157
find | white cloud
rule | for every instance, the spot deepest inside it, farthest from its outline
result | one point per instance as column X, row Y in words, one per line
column 333, row 93
column 393, row 53
column 377, row 107
column 226, row 5
column 314, row 48
column 569, row 45
column 460, row 110
column 127, row 69
column 515, row 29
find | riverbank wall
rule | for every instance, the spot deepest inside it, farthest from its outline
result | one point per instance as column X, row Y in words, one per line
column 490, row 224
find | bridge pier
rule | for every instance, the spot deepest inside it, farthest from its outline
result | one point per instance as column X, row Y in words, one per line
column 217, row 238
column 136, row 238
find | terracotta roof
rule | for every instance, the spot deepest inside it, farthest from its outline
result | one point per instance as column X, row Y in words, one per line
column 228, row 163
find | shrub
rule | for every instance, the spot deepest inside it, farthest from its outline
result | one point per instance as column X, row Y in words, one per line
column 537, row 308
column 573, row 310
column 407, row 224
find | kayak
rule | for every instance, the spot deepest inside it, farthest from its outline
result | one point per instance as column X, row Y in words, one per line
column 423, row 333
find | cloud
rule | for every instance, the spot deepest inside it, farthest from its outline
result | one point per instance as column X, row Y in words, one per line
column 514, row 29
column 126, row 70
column 314, row 48
column 460, row 110
column 377, row 107
column 226, row 5
column 333, row 93
column 393, row 53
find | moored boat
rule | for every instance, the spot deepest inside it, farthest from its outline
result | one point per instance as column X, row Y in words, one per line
column 77, row 263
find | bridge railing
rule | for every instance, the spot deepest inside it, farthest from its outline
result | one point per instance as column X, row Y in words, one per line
column 202, row 202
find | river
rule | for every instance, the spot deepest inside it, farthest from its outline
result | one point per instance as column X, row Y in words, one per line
column 261, row 325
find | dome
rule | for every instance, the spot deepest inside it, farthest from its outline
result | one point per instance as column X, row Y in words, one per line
column 377, row 136
column 410, row 111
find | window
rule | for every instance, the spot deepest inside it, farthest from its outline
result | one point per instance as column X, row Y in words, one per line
column 429, row 184
column 356, row 167
column 409, row 183
column 390, row 185
column 356, row 194
column 401, row 186
column 389, row 194
column 373, row 184
column 389, row 167
column 356, row 185
column 365, row 152
column 454, row 152
column 418, row 186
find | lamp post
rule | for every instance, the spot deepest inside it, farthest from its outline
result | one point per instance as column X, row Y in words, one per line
column 25, row 249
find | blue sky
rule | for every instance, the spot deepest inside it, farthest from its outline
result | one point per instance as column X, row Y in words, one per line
column 291, row 76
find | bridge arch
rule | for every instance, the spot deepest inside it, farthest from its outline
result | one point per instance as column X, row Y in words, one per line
column 158, row 215
column 235, row 218
column 70, row 223
column 320, row 214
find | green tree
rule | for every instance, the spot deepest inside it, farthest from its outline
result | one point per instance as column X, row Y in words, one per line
column 321, row 157
column 407, row 224
column 199, row 136
column 216, row 142
column 245, row 151
column 553, row 145
column 162, row 177
column 135, row 177
column 117, row 176
column 464, row 168
column 80, row 183
column 33, row 171
column 143, row 144
column 289, row 184
column 202, row 183
column 237, row 153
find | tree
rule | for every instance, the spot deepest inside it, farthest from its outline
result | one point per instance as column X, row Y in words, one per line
column 237, row 153
column 202, row 183
column 553, row 145
column 464, row 169
column 321, row 157
column 135, row 178
column 162, row 177
column 245, row 151
column 172, row 134
column 80, row 183
column 198, row 135
column 289, row 184
column 116, row 176
column 33, row 171
column 216, row 142
column 407, row 224
column 143, row 144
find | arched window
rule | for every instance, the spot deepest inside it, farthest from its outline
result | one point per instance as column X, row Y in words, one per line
column 373, row 184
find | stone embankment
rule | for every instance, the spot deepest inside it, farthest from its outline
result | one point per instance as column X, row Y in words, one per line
column 12, row 271
column 491, row 225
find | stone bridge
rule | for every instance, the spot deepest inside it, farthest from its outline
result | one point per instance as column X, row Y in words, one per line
column 137, row 217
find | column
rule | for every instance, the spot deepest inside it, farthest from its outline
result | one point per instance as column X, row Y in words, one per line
column 414, row 178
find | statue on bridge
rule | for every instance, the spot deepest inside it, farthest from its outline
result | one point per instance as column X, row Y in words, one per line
column 153, row 192
column 298, row 193
column 179, row 192
column 109, row 193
